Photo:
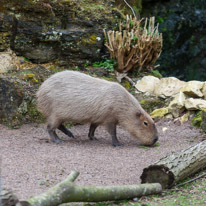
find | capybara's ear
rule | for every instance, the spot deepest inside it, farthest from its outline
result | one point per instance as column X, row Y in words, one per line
column 138, row 114
column 142, row 116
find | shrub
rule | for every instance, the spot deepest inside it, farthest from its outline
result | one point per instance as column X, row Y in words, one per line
column 134, row 46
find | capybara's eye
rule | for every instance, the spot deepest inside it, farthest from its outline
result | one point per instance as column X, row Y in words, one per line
column 145, row 123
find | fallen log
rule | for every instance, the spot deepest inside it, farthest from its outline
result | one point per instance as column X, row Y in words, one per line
column 7, row 198
column 66, row 191
column 169, row 170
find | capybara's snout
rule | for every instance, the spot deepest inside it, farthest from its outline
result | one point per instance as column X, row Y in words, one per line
column 152, row 141
column 155, row 139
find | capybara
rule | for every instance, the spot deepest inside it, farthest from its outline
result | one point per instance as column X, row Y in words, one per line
column 79, row 98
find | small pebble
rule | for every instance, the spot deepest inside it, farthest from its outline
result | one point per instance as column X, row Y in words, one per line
column 135, row 199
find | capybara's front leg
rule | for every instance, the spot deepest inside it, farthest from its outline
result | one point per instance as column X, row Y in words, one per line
column 111, row 128
column 65, row 130
column 53, row 135
column 92, row 129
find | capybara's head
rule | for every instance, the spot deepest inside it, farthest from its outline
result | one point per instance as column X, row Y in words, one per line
column 142, row 127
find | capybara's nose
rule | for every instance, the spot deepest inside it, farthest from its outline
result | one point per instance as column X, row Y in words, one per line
column 155, row 139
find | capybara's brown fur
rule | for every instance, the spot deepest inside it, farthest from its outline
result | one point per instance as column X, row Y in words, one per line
column 79, row 98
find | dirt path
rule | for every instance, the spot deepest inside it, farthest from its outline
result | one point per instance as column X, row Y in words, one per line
column 31, row 164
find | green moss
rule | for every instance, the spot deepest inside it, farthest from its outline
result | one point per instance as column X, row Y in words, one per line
column 4, row 40
column 150, row 104
column 33, row 113
column 111, row 78
column 12, row 122
column 156, row 73
column 92, row 39
column 127, row 85
column 65, row 1
column 197, row 119
column 159, row 113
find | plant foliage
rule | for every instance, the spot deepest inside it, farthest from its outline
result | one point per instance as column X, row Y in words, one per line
column 137, row 44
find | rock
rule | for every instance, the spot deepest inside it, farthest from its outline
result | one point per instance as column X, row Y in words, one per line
column 197, row 119
column 177, row 105
column 6, row 62
column 159, row 113
column 67, row 31
column 147, row 84
column 195, row 104
column 150, row 102
column 193, row 88
column 204, row 90
column 169, row 116
column 185, row 117
column 8, row 198
column 203, row 122
column 164, row 129
column 168, row 87
column 17, row 102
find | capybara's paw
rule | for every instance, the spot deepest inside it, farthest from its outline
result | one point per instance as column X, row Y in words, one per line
column 57, row 141
column 93, row 138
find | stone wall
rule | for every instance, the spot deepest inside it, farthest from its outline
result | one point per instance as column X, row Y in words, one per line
column 183, row 98
column 69, row 31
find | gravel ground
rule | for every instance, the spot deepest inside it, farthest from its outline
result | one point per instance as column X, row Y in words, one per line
column 30, row 164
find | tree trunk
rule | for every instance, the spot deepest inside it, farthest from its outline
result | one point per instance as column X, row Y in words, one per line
column 176, row 166
column 66, row 191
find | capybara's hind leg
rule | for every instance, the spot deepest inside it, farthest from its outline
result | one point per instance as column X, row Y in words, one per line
column 53, row 135
column 91, row 131
column 111, row 128
column 65, row 130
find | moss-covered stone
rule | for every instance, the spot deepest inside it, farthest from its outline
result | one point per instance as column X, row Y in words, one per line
column 159, row 113
column 151, row 104
column 127, row 85
column 17, row 96
column 70, row 31
column 197, row 119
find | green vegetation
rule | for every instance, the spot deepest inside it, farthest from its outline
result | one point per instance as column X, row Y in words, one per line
column 197, row 119
column 108, row 64
column 156, row 73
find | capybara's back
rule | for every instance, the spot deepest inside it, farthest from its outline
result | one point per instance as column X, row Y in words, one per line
column 76, row 97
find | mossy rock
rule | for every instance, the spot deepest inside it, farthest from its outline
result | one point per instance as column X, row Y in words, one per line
column 17, row 102
column 34, row 76
column 159, row 113
column 66, row 30
column 197, row 119
column 151, row 104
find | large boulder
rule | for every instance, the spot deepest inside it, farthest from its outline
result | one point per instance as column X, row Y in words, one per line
column 67, row 31
column 193, row 88
column 177, row 105
column 147, row 84
column 204, row 90
column 195, row 104
column 168, row 87
column 6, row 62
column 159, row 113
column 17, row 96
